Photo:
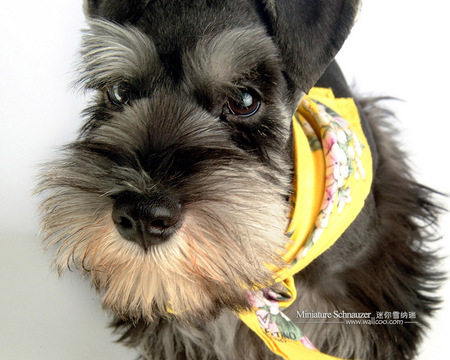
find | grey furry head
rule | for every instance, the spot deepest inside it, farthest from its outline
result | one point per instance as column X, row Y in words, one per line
column 175, row 196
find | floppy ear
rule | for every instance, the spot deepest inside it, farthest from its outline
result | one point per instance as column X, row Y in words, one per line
column 120, row 11
column 308, row 34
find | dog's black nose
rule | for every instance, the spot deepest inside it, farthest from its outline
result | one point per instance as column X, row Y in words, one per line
column 146, row 220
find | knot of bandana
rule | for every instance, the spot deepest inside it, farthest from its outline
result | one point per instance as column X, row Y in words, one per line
column 333, row 176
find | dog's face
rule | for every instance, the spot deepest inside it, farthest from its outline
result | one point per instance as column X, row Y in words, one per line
column 175, row 196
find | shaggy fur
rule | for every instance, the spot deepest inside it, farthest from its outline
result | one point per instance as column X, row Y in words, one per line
column 391, row 268
column 173, row 203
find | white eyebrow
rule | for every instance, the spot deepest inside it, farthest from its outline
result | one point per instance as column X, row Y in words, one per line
column 231, row 53
column 111, row 52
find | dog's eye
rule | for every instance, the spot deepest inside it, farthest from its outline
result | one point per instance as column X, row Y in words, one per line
column 118, row 94
column 245, row 104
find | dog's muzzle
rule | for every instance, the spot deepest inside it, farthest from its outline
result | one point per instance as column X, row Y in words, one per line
column 146, row 220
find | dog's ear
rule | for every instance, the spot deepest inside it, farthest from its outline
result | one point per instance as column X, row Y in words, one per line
column 119, row 11
column 308, row 34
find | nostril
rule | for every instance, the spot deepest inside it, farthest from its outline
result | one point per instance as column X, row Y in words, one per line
column 159, row 223
column 125, row 222
column 163, row 217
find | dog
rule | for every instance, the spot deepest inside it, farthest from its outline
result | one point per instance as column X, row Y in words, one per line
column 178, row 191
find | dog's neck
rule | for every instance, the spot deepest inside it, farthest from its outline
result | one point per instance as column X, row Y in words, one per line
column 333, row 176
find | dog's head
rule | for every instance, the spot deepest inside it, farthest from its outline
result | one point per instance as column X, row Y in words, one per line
column 175, row 196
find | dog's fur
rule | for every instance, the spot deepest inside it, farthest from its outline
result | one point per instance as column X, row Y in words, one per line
column 178, row 63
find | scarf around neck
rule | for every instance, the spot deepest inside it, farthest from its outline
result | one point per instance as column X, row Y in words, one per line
column 333, row 176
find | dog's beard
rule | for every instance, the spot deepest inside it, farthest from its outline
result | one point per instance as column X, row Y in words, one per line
column 222, row 250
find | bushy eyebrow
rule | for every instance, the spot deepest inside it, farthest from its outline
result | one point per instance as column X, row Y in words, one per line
column 230, row 56
column 111, row 52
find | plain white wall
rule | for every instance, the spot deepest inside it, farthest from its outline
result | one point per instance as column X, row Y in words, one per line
column 397, row 48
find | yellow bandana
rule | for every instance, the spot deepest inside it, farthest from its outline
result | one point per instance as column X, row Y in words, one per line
column 333, row 176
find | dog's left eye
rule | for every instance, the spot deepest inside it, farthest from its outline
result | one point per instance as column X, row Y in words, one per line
column 118, row 94
column 245, row 104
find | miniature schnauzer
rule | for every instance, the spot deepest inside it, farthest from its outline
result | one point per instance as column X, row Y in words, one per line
column 176, row 194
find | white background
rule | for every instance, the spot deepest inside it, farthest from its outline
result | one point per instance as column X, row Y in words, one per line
column 397, row 48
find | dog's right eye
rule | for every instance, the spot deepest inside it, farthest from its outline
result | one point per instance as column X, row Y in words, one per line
column 118, row 94
column 246, row 104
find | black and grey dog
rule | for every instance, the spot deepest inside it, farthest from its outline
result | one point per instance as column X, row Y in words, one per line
column 175, row 195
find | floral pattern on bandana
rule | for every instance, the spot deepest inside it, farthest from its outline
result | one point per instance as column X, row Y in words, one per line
column 272, row 319
column 342, row 151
